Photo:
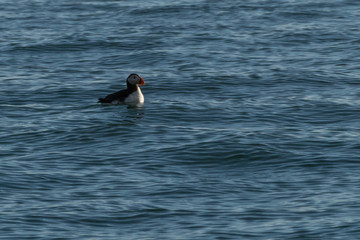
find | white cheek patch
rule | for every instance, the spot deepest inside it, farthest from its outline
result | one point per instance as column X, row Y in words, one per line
column 133, row 81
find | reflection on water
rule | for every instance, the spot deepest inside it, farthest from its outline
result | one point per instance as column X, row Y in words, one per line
column 136, row 111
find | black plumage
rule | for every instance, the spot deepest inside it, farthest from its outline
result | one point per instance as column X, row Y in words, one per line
column 119, row 95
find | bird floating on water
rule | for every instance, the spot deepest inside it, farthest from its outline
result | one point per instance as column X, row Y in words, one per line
column 132, row 95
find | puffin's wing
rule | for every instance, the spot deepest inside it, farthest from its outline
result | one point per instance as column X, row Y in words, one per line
column 117, row 96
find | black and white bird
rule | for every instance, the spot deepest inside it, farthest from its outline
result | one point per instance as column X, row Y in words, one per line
column 132, row 95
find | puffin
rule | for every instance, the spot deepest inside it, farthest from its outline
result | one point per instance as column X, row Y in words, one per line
column 132, row 95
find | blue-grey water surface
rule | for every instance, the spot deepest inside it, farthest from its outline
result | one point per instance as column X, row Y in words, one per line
column 250, row 127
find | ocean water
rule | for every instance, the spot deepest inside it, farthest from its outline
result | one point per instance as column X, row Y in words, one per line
column 250, row 127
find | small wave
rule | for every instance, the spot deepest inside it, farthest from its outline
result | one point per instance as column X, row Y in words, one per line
column 164, row 8
column 73, row 46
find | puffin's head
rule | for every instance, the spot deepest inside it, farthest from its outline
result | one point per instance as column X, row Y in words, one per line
column 135, row 79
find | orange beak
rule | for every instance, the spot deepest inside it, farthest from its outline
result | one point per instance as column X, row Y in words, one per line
column 142, row 82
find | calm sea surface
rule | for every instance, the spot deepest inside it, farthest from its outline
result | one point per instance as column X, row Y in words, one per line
column 250, row 127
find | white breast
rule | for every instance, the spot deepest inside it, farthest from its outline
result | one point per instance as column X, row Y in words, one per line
column 135, row 98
